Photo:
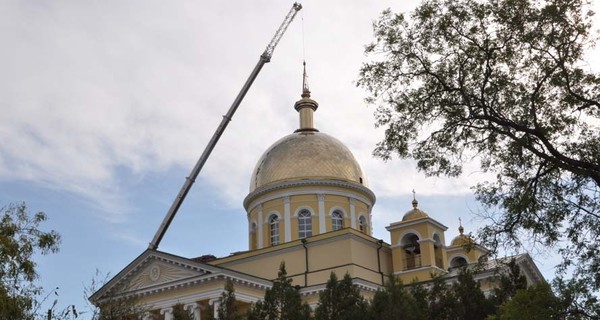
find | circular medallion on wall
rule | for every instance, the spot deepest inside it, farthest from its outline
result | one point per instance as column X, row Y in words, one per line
column 154, row 272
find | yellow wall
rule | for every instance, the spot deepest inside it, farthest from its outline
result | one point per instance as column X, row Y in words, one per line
column 341, row 251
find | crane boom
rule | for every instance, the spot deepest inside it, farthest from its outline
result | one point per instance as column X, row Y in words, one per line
column 187, row 185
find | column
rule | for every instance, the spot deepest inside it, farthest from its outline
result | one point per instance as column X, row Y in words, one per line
column 352, row 213
column 215, row 302
column 194, row 308
column 322, row 225
column 286, row 219
column 260, row 223
column 168, row 312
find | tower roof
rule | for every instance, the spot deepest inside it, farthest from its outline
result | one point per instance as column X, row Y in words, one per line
column 415, row 212
column 461, row 239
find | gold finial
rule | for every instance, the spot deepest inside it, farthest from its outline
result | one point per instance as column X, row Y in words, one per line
column 305, row 90
column 415, row 203
column 460, row 228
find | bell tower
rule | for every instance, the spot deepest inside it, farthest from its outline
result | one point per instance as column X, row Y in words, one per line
column 418, row 245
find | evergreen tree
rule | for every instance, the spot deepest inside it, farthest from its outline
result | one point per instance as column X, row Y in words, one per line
column 395, row 301
column 510, row 282
column 471, row 303
column 228, row 307
column 282, row 301
column 341, row 300
column 179, row 313
column 442, row 301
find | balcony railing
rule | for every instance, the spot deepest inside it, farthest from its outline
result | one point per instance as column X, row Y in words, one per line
column 412, row 262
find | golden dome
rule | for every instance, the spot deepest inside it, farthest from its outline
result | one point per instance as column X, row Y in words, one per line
column 461, row 239
column 306, row 155
column 414, row 213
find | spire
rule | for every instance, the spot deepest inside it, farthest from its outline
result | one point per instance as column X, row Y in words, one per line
column 305, row 90
column 460, row 228
column 415, row 203
column 306, row 106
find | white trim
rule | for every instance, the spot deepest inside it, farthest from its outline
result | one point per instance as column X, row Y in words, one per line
column 322, row 225
column 300, row 208
column 457, row 255
column 344, row 214
column 271, row 213
column 404, row 224
column 352, row 212
column 322, row 189
column 260, row 228
column 406, row 232
column 287, row 224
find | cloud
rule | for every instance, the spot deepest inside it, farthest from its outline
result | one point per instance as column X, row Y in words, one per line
column 92, row 90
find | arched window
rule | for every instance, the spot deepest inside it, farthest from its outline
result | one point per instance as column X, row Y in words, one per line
column 337, row 220
column 412, row 251
column 458, row 262
column 274, row 229
column 304, row 224
column 362, row 224
column 437, row 251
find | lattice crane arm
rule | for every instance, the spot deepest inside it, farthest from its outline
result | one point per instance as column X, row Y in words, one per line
column 187, row 185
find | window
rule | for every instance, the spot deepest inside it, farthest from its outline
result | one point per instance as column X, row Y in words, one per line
column 304, row 224
column 362, row 224
column 458, row 262
column 274, row 229
column 337, row 220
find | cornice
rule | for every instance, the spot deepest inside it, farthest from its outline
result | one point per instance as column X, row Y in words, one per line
column 370, row 199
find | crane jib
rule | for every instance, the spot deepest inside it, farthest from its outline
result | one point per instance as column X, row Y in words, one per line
column 265, row 57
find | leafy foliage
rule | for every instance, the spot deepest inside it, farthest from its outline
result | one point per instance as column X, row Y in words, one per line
column 117, row 309
column 502, row 81
column 536, row 302
column 510, row 282
column 180, row 313
column 20, row 240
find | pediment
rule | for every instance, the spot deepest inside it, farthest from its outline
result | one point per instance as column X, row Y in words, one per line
column 160, row 272
column 153, row 270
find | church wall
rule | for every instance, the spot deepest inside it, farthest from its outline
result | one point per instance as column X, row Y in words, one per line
column 340, row 251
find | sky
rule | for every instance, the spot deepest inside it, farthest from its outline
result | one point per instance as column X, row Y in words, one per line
column 107, row 105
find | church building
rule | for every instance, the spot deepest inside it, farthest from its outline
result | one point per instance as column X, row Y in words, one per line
column 309, row 205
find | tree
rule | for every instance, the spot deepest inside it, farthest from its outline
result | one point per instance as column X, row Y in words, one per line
column 228, row 307
column 504, row 82
column 395, row 300
column 180, row 313
column 20, row 240
column 576, row 300
column 471, row 302
column 123, row 308
column 282, row 301
column 511, row 280
column 341, row 300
